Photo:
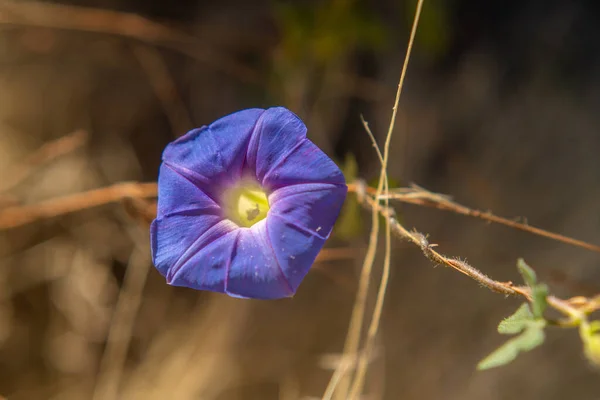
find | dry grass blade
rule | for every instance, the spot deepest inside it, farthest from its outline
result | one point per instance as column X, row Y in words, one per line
column 340, row 379
column 357, row 386
column 354, row 331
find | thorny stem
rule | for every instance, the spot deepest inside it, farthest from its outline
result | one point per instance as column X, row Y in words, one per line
column 422, row 197
column 574, row 309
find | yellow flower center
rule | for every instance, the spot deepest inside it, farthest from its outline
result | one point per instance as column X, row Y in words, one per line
column 245, row 204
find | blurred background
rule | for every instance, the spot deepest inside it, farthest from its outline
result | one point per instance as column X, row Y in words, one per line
column 500, row 110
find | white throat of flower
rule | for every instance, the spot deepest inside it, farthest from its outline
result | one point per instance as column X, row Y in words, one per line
column 245, row 204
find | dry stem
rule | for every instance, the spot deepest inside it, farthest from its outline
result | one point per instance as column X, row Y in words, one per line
column 12, row 217
column 422, row 197
column 358, row 383
column 565, row 307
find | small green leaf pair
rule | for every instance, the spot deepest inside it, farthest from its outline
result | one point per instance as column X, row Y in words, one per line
column 527, row 321
column 531, row 332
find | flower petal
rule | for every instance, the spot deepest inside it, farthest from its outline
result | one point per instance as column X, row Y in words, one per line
column 203, row 266
column 306, row 163
column 278, row 131
column 254, row 271
column 214, row 155
column 184, row 213
column 310, row 206
column 295, row 248
column 177, row 194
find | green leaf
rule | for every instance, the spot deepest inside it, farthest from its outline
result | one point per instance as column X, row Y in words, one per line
column 539, row 291
column 501, row 356
column 516, row 322
column 528, row 321
column 539, row 294
column 532, row 337
column 527, row 273
column 349, row 224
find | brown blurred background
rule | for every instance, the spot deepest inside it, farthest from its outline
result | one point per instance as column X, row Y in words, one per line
column 500, row 110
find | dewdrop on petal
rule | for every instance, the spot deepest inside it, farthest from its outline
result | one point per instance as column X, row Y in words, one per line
column 244, row 205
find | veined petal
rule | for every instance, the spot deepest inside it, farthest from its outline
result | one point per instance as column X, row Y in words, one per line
column 214, row 154
column 178, row 194
column 254, row 271
column 171, row 237
column 203, row 265
column 306, row 163
column 295, row 249
column 310, row 206
column 184, row 212
column 277, row 132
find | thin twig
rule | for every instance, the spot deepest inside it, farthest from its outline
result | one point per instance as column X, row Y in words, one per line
column 12, row 217
column 372, row 137
column 45, row 154
column 566, row 307
column 422, row 197
column 352, row 342
column 444, row 204
column 357, row 386
column 340, row 380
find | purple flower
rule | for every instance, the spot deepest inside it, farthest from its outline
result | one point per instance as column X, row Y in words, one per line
column 244, row 205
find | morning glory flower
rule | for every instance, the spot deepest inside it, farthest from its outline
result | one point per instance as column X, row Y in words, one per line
column 244, row 205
